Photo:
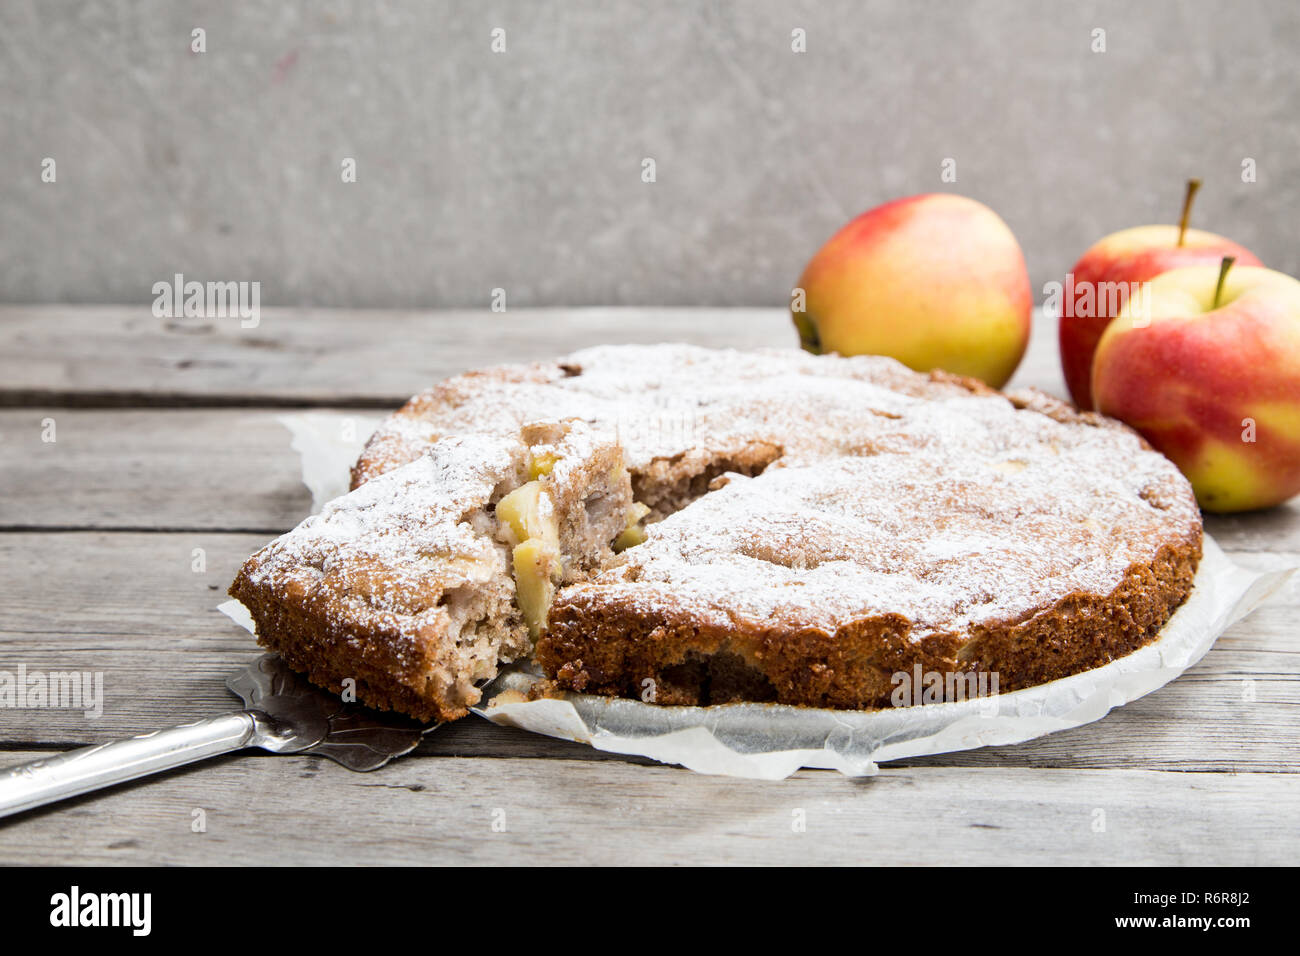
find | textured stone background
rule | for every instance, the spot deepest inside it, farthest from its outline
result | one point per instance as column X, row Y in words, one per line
column 522, row 170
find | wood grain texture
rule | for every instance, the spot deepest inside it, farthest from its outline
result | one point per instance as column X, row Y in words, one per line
column 204, row 469
column 132, row 606
column 117, row 355
column 233, row 470
column 304, row 810
column 105, row 356
column 99, row 571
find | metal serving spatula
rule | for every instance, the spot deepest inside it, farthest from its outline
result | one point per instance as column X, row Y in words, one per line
column 282, row 713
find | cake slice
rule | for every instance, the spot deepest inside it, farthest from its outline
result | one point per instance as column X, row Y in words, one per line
column 418, row 585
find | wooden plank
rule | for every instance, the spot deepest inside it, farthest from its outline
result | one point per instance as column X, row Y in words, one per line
column 302, row 810
column 223, row 469
column 233, row 470
column 123, row 355
column 1271, row 530
column 131, row 605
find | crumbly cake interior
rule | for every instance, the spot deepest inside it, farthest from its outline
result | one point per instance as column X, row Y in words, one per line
column 734, row 526
column 410, row 586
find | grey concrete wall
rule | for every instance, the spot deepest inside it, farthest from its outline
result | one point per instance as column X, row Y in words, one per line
column 522, row 169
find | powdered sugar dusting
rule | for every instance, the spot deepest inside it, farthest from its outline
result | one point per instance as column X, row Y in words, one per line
column 895, row 493
column 416, row 562
column 411, row 517
column 659, row 400
column 938, row 500
column 975, row 514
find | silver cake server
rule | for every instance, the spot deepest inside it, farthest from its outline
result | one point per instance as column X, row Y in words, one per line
column 283, row 713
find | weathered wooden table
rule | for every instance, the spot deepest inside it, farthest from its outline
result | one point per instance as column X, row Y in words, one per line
column 167, row 467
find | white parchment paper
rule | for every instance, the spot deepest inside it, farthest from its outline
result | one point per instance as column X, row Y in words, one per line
column 771, row 741
column 328, row 444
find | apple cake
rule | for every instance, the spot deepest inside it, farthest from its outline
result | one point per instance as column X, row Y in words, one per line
column 418, row 585
column 770, row 526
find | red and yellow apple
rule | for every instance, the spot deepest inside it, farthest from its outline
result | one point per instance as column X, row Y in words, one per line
column 1208, row 370
column 935, row 281
column 1126, row 257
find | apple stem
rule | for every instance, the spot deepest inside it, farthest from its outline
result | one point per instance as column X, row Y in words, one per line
column 1223, row 274
column 1192, row 186
column 809, row 337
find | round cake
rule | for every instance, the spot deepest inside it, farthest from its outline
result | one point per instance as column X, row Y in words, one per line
column 818, row 526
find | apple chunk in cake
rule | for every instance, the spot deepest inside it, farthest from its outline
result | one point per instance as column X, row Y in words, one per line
column 419, row 584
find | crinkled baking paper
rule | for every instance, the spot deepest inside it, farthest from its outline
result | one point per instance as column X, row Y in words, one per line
column 771, row 741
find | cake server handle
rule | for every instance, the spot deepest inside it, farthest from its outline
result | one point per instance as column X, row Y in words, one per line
column 90, row 768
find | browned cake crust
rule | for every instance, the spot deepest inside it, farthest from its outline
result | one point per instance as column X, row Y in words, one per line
column 1032, row 542
column 386, row 669
column 385, row 588
column 817, row 526
column 405, row 588
column 608, row 647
